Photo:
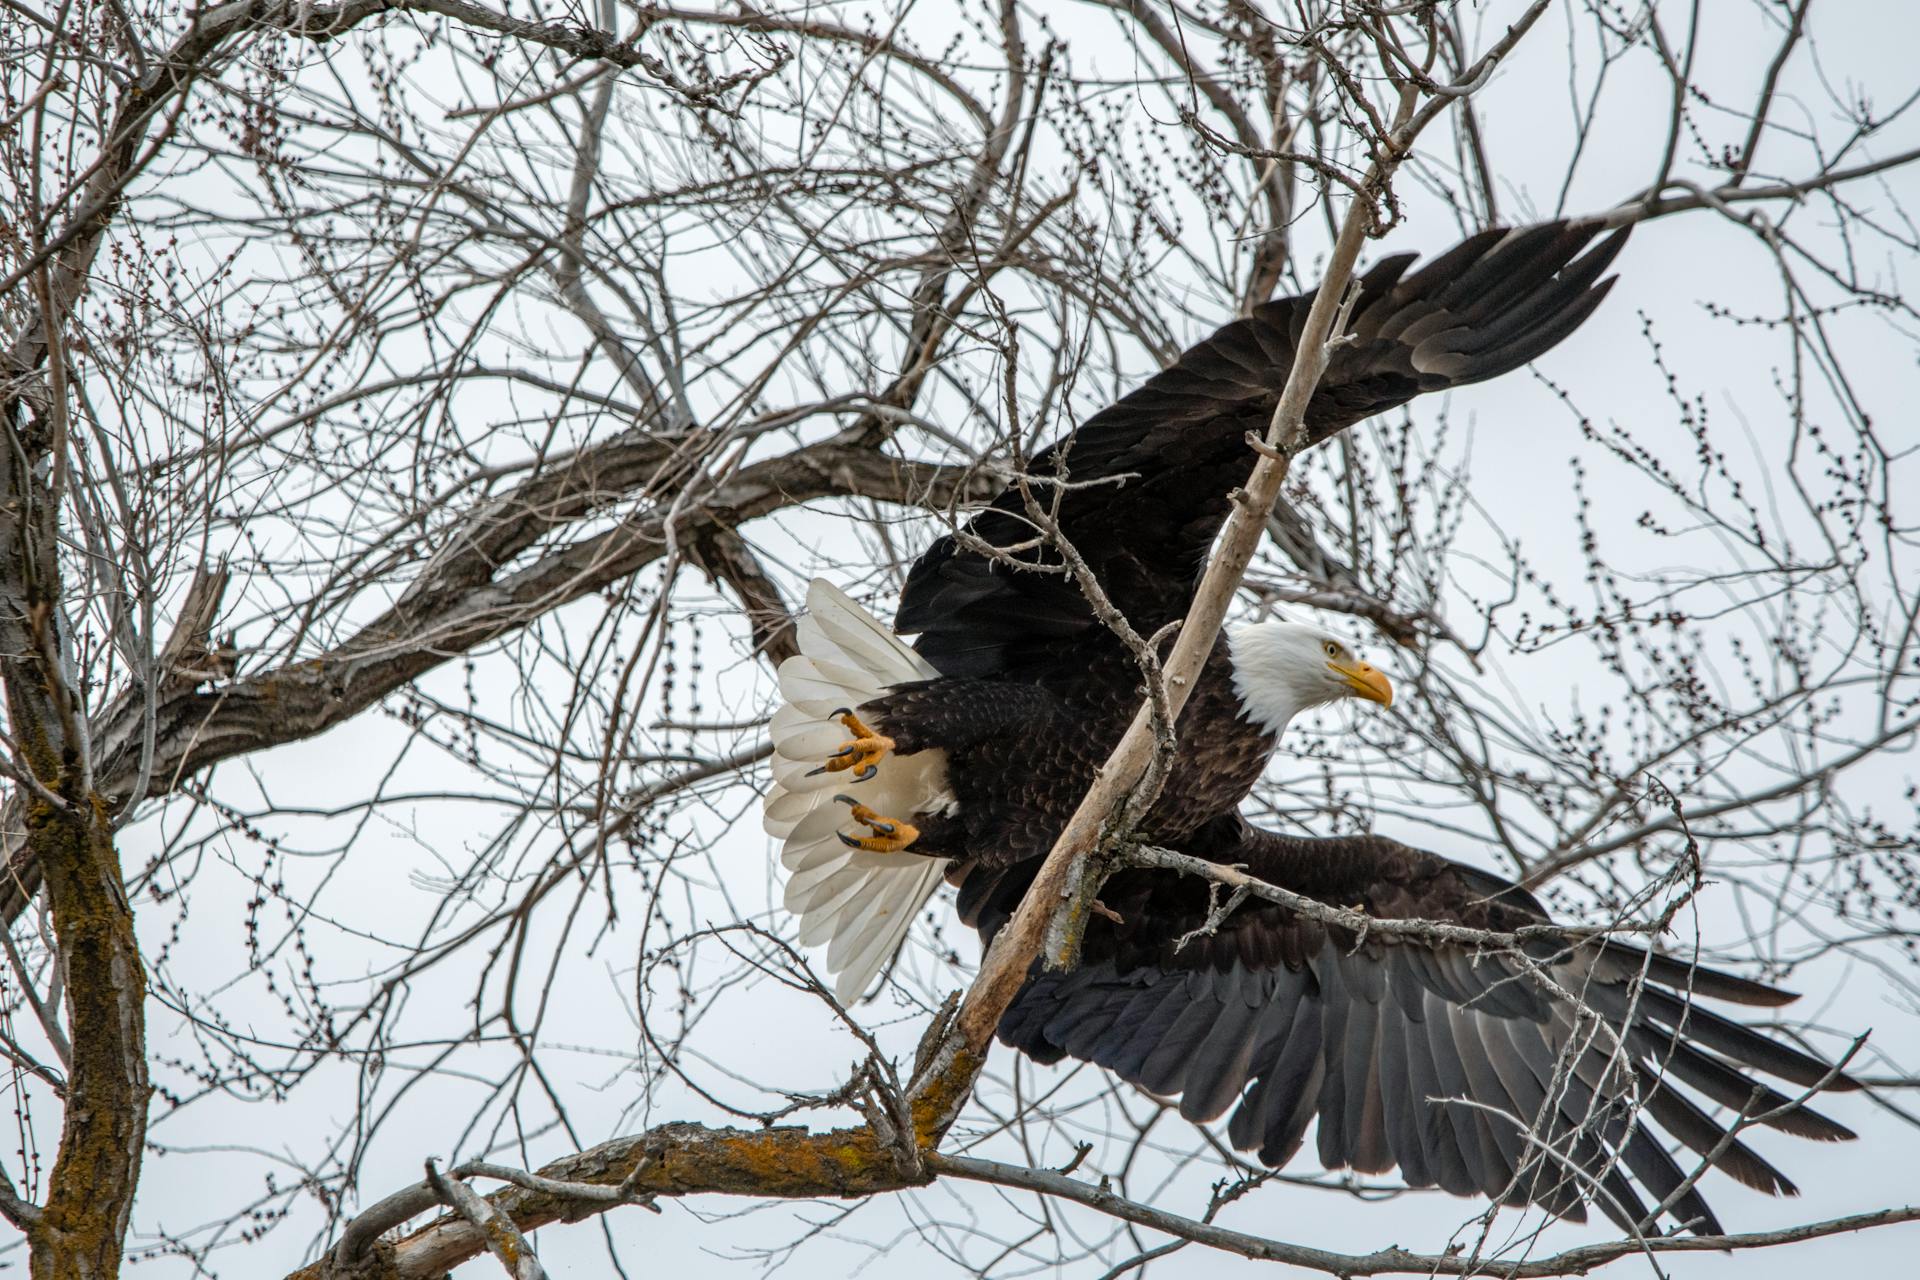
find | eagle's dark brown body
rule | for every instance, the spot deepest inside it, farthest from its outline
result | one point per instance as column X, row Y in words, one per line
column 1021, row 753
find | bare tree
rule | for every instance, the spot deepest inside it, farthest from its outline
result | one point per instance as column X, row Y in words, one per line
column 422, row 414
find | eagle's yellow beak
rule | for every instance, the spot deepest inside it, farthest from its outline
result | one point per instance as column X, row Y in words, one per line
column 1365, row 682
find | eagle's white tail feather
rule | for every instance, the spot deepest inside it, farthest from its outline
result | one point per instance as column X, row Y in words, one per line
column 860, row 904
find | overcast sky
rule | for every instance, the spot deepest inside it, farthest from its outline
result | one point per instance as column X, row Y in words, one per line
column 1518, row 450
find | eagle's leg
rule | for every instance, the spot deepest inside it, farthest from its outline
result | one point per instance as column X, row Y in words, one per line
column 890, row 835
column 862, row 754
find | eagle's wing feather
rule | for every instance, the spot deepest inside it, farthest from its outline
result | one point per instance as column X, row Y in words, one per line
column 1427, row 1057
column 1150, row 474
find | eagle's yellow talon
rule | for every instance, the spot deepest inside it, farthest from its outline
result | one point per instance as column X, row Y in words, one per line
column 862, row 754
column 890, row 835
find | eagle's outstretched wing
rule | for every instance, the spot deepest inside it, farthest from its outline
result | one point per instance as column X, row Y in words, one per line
column 1150, row 474
column 1454, row 1066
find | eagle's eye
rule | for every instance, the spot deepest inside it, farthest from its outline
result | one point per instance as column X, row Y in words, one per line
column 1333, row 650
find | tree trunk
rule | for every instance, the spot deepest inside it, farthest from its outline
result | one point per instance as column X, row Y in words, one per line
column 79, row 1233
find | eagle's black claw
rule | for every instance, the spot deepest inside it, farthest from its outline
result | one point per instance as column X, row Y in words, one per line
column 866, row 773
column 837, row 712
column 847, row 840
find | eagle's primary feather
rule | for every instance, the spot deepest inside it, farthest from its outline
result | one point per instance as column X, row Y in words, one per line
column 1423, row 1055
column 1151, row 473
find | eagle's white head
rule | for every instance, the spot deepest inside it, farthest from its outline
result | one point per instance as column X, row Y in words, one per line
column 1282, row 667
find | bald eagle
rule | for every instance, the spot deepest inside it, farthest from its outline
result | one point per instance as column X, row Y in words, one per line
column 961, row 757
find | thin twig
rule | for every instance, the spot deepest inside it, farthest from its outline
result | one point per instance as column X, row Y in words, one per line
column 504, row 1239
